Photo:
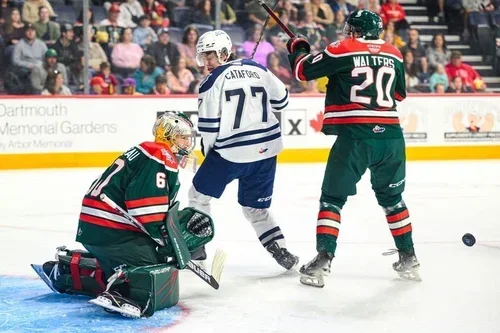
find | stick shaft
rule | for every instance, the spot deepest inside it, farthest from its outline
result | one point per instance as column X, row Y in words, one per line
column 276, row 18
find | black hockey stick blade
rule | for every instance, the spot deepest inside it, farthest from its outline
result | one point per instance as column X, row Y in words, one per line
column 203, row 275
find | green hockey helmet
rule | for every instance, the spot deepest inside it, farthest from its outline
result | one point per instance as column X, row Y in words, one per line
column 363, row 23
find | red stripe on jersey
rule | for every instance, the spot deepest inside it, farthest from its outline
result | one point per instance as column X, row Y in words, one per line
column 106, row 223
column 328, row 215
column 352, row 106
column 401, row 231
column 361, row 120
column 162, row 152
column 324, row 230
column 351, row 45
column 398, row 97
column 398, row 217
column 301, row 67
column 97, row 204
column 151, row 218
column 151, row 201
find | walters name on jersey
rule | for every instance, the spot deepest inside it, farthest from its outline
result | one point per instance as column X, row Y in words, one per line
column 142, row 181
column 235, row 110
column 366, row 78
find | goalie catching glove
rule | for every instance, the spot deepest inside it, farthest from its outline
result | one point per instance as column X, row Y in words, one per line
column 298, row 42
column 199, row 225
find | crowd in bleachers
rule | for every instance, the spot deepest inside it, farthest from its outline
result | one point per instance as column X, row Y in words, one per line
column 149, row 46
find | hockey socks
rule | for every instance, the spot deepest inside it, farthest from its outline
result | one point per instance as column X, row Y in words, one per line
column 398, row 219
column 327, row 229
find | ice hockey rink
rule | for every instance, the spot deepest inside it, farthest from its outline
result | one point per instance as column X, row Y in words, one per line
column 460, row 291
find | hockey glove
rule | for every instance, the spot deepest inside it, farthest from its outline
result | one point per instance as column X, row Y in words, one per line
column 199, row 225
column 296, row 43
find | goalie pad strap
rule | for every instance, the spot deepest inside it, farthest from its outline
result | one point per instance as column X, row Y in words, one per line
column 75, row 271
column 98, row 275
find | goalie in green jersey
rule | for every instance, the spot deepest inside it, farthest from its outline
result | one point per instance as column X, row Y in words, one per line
column 128, row 271
column 366, row 78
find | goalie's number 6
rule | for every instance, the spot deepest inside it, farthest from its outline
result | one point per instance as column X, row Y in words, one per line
column 160, row 179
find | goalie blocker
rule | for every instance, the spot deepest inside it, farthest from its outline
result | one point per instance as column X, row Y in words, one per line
column 129, row 289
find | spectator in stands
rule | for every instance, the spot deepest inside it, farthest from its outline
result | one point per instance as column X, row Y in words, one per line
column 13, row 32
column 437, row 52
column 31, row 10
column 98, row 86
column 339, row 20
column 157, row 13
column 292, row 11
column 46, row 30
column 130, row 12
column 470, row 77
column 283, row 73
column 390, row 35
column 256, row 13
column 322, row 12
column 128, row 87
column 179, row 78
column 113, row 25
column 203, row 13
column 6, row 6
column 29, row 51
column 96, row 53
column 438, row 77
column 126, row 55
column 455, row 16
column 264, row 47
column 457, row 86
column 55, row 85
column 411, row 72
column 164, row 52
column 145, row 76
column 276, row 30
column 227, row 14
column 439, row 89
column 344, row 6
column 67, row 50
column 40, row 72
column 314, row 32
column 144, row 35
column 372, row 5
column 279, row 44
column 78, row 26
column 187, row 48
column 392, row 11
column 108, row 77
column 417, row 49
column 160, row 87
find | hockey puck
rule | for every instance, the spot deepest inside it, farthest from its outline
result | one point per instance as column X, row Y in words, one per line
column 469, row 239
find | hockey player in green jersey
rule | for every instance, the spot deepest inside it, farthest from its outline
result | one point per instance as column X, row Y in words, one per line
column 366, row 78
column 143, row 181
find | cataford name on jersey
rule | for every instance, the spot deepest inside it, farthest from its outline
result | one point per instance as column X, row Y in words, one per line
column 371, row 60
column 241, row 74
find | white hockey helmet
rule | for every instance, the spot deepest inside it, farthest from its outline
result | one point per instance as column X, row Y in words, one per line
column 217, row 41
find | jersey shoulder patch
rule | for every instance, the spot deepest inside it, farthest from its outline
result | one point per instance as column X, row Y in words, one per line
column 160, row 153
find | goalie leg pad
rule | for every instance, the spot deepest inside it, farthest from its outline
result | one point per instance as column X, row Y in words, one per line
column 151, row 288
column 74, row 272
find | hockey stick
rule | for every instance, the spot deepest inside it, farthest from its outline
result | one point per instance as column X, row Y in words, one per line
column 262, row 31
column 217, row 264
column 275, row 17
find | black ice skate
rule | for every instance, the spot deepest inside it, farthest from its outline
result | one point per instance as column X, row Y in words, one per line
column 313, row 273
column 282, row 256
column 407, row 266
column 112, row 301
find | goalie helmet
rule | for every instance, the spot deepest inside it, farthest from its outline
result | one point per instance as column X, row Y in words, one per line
column 176, row 131
column 217, row 41
column 363, row 23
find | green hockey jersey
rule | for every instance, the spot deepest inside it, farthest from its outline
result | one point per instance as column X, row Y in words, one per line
column 365, row 79
column 142, row 181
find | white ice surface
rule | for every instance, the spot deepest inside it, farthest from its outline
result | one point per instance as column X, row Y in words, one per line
column 460, row 291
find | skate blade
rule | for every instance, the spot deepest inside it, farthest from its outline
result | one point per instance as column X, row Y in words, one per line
column 39, row 270
column 126, row 310
column 312, row 281
column 410, row 276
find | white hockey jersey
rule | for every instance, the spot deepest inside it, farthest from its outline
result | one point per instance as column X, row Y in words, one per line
column 235, row 110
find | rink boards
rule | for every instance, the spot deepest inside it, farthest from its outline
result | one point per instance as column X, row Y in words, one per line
column 90, row 131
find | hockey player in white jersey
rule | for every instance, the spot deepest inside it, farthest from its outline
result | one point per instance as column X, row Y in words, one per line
column 240, row 138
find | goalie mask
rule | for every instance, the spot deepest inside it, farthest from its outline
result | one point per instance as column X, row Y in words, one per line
column 213, row 41
column 176, row 131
